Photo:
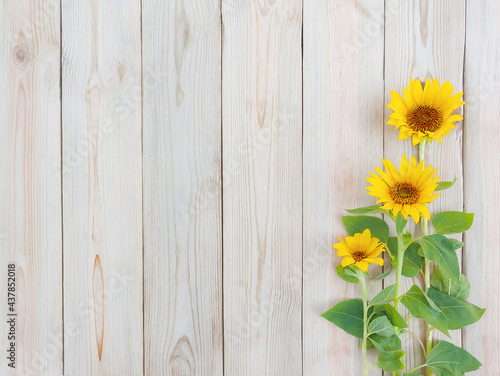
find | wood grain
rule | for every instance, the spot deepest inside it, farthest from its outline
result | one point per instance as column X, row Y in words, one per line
column 182, row 187
column 262, row 136
column 426, row 40
column 30, row 184
column 343, row 138
column 482, row 177
column 102, row 194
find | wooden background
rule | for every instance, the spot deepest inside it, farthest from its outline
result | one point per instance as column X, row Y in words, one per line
column 173, row 173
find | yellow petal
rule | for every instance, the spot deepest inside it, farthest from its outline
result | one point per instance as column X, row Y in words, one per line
column 443, row 93
column 363, row 265
column 378, row 261
column 347, row 261
column 417, row 92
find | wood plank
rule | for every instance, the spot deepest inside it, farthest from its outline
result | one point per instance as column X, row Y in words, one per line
column 343, row 140
column 182, row 188
column 482, row 174
column 30, row 184
column 426, row 40
column 262, row 136
column 102, row 190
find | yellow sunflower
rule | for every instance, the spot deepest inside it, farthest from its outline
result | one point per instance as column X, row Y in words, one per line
column 360, row 250
column 425, row 114
column 407, row 191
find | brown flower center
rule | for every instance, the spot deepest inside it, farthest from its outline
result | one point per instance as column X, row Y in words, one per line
column 359, row 256
column 404, row 193
column 424, row 118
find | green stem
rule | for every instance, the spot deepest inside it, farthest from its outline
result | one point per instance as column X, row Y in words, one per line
column 364, row 295
column 399, row 270
column 427, row 274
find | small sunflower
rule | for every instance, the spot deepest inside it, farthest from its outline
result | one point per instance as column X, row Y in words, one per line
column 425, row 114
column 360, row 250
column 407, row 191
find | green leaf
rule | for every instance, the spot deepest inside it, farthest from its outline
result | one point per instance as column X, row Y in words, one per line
column 456, row 243
column 458, row 313
column 421, row 307
column 390, row 343
column 391, row 361
column 389, row 311
column 346, row 277
column 385, row 296
column 412, row 262
column 347, row 315
column 349, row 270
column 359, row 223
column 400, row 224
column 439, row 249
column 452, row 222
column 445, row 284
column 372, row 209
column 392, row 246
column 442, row 185
column 381, row 326
column 383, row 275
column 446, row 359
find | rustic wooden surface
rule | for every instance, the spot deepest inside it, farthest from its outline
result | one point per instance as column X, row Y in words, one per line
column 102, row 188
column 172, row 177
column 182, row 191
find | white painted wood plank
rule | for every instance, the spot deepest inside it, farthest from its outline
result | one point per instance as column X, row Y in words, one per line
column 102, row 194
column 182, row 187
column 482, row 177
column 262, row 136
column 30, row 184
column 426, row 40
column 343, row 140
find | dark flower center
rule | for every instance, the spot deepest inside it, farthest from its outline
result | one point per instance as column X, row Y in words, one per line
column 424, row 118
column 404, row 193
column 359, row 256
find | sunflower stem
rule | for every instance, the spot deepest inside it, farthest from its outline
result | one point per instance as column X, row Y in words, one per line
column 427, row 273
column 364, row 296
column 399, row 270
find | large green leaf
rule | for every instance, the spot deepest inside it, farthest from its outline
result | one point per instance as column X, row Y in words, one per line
column 446, row 359
column 372, row 209
column 445, row 284
column 439, row 249
column 442, row 185
column 391, row 361
column 360, row 223
column 347, row 315
column 381, row 326
column 387, row 310
column 346, row 277
column 412, row 262
column 421, row 307
column 385, row 296
column 390, row 343
column 458, row 313
column 452, row 222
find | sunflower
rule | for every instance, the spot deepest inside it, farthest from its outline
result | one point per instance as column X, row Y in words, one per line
column 407, row 191
column 361, row 250
column 425, row 114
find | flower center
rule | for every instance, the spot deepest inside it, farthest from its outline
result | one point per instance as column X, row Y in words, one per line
column 404, row 193
column 424, row 118
column 358, row 256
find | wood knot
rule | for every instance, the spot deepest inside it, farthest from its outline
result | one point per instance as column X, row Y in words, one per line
column 22, row 56
column 182, row 359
